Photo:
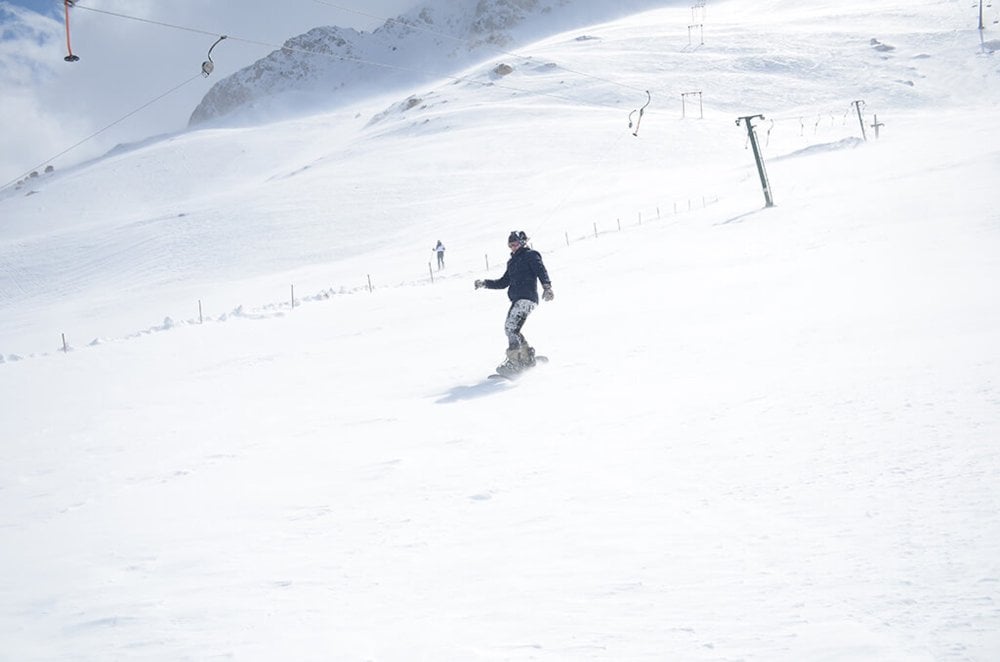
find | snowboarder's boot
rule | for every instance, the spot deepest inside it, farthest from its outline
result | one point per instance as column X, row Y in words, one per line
column 518, row 359
column 512, row 365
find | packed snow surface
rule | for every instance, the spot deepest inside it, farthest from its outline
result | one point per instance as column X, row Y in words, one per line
column 765, row 433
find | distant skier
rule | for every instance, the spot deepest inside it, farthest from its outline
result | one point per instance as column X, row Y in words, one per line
column 439, row 249
column 524, row 268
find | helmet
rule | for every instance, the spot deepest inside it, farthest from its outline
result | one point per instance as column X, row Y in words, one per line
column 517, row 236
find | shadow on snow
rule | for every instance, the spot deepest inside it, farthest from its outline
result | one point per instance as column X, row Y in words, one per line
column 480, row 390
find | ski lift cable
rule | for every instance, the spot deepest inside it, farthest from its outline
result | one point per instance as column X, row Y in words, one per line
column 100, row 131
column 796, row 118
column 146, row 20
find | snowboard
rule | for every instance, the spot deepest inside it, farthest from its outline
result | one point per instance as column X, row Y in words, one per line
column 511, row 377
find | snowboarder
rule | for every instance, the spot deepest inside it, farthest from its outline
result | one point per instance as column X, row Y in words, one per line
column 524, row 268
column 439, row 249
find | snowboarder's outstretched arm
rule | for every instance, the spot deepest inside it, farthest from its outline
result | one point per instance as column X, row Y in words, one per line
column 498, row 284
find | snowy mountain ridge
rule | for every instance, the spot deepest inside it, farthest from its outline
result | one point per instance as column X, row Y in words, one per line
column 329, row 66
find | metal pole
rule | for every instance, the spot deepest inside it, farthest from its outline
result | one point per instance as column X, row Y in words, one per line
column 701, row 104
column 701, row 26
column 757, row 157
column 877, row 125
column 861, row 120
column 980, row 14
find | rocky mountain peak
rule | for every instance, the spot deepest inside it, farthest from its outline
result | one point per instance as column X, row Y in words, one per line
column 331, row 65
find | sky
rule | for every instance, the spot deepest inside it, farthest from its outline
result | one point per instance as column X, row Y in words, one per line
column 125, row 64
column 764, row 433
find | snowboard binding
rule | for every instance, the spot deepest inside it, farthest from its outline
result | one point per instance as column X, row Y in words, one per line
column 519, row 359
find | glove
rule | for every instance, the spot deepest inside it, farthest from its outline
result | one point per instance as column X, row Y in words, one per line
column 479, row 284
column 547, row 294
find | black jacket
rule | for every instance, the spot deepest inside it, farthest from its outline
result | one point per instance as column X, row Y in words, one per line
column 523, row 268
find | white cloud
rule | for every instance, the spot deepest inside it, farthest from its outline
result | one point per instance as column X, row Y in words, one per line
column 126, row 63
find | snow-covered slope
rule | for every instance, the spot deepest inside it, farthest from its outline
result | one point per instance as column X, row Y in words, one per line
column 332, row 66
column 764, row 434
column 197, row 215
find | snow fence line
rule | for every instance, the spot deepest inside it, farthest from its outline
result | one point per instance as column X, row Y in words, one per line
column 277, row 309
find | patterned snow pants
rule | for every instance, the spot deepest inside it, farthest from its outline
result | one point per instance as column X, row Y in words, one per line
column 518, row 313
